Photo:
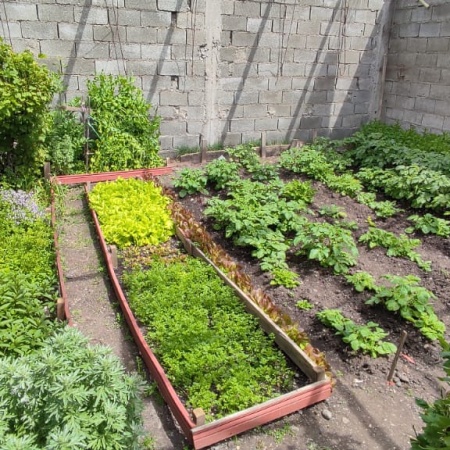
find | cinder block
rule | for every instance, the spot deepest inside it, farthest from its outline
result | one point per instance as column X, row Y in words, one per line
column 97, row 50
column 272, row 10
column 266, row 124
column 441, row 44
column 227, row 7
column 156, row 18
column 331, row 121
column 109, row 33
column 156, row 52
column 57, row 48
column 308, row 28
column 446, row 125
column 270, row 97
column 174, row 68
column 346, row 108
column 14, row 30
column 324, row 83
column 269, row 69
column 413, row 117
column 196, row 98
column 259, row 25
column 303, row 56
column 242, row 125
column 433, row 121
column 394, row 114
column 195, row 127
column 186, row 141
column 319, row 13
column 246, row 98
column 79, row 66
column 429, row 75
column 140, row 35
column 39, row 30
column 244, row 70
column 166, row 142
column 255, row 111
column 20, row 11
column 280, row 83
column 247, row 9
column 365, row 16
column 148, row 5
column 173, row 98
column 443, row 60
column 279, row 110
column 441, row 13
column 293, row 70
column 232, row 139
column 445, row 29
column 113, row 67
column 420, row 89
column 440, row 92
column 430, row 30
column 172, row 127
column 421, row 15
column 354, row 29
column 442, row 107
column 142, row 67
column 353, row 121
column 409, row 30
column 173, row 5
column 232, row 23
column 95, row 16
column 55, row 13
column 71, row 32
column 195, row 113
column 405, row 102
column 171, row 36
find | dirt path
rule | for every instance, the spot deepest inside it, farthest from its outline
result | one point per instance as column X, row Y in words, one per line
column 363, row 412
column 95, row 311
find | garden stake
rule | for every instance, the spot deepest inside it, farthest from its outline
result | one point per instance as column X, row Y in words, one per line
column 199, row 416
column 203, row 148
column 397, row 354
column 60, row 308
column 263, row 145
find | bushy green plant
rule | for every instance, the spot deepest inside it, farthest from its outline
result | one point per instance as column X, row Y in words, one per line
column 132, row 211
column 330, row 245
column 304, row 305
column 284, row 277
column 245, row 156
column 436, row 415
column 401, row 246
column 214, row 353
column 412, row 302
column 429, row 224
column 362, row 281
column 68, row 394
column 264, row 172
column 381, row 209
column 26, row 90
column 125, row 136
column 221, row 172
column 334, row 211
column 300, row 191
column 365, row 338
column 191, row 181
column 64, row 141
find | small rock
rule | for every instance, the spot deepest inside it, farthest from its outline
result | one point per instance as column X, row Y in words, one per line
column 398, row 384
column 403, row 377
column 345, row 421
column 326, row 414
column 396, row 380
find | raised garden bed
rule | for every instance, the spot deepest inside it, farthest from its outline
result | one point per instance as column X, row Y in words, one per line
column 204, row 435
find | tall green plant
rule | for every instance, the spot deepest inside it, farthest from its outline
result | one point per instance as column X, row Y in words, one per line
column 26, row 89
column 125, row 136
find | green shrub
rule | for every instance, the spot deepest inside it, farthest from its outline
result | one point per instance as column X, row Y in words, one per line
column 26, row 89
column 68, row 395
column 125, row 136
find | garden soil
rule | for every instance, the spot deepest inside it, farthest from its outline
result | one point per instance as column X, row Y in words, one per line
column 364, row 411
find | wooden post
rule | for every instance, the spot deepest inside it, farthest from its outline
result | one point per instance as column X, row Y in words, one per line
column 203, row 149
column 47, row 170
column 263, row 145
column 397, row 355
column 60, row 312
column 199, row 416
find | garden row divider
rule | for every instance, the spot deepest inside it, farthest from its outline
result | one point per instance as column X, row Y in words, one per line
column 201, row 436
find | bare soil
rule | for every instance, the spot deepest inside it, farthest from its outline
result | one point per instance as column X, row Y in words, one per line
column 364, row 411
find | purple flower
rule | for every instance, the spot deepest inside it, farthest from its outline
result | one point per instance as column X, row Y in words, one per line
column 23, row 206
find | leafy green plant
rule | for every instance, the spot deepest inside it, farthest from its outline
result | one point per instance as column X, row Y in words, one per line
column 401, row 246
column 381, row 209
column 26, row 90
column 264, row 172
column 284, row 277
column 365, row 338
column 300, row 191
column 68, row 394
column 334, row 211
column 362, row 281
column 125, row 136
column 304, row 305
column 429, row 224
column 191, row 181
column 329, row 244
column 412, row 302
column 221, row 172
column 132, row 211
column 214, row 353
column 436, row 415
column 245, row 156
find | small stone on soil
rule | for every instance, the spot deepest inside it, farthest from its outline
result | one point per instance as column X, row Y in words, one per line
column 326, row 414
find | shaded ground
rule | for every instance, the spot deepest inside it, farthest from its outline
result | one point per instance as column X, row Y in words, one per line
column 364, row 412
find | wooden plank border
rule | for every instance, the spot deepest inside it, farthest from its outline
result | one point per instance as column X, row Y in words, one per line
column 201, row 436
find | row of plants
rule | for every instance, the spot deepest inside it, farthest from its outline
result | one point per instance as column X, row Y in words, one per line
column 112, row 129
column 213, row 352
column 56, row 391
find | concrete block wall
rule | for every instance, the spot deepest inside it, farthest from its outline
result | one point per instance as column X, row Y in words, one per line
column 417, row 89
column 226, row 70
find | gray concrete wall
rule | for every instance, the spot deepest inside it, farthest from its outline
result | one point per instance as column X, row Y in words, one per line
column 225, row 69
column 417, row 89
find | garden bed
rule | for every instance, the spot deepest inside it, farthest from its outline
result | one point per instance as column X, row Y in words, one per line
column 205, row 435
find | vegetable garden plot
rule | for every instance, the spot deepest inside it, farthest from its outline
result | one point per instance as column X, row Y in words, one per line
column 204, row 435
